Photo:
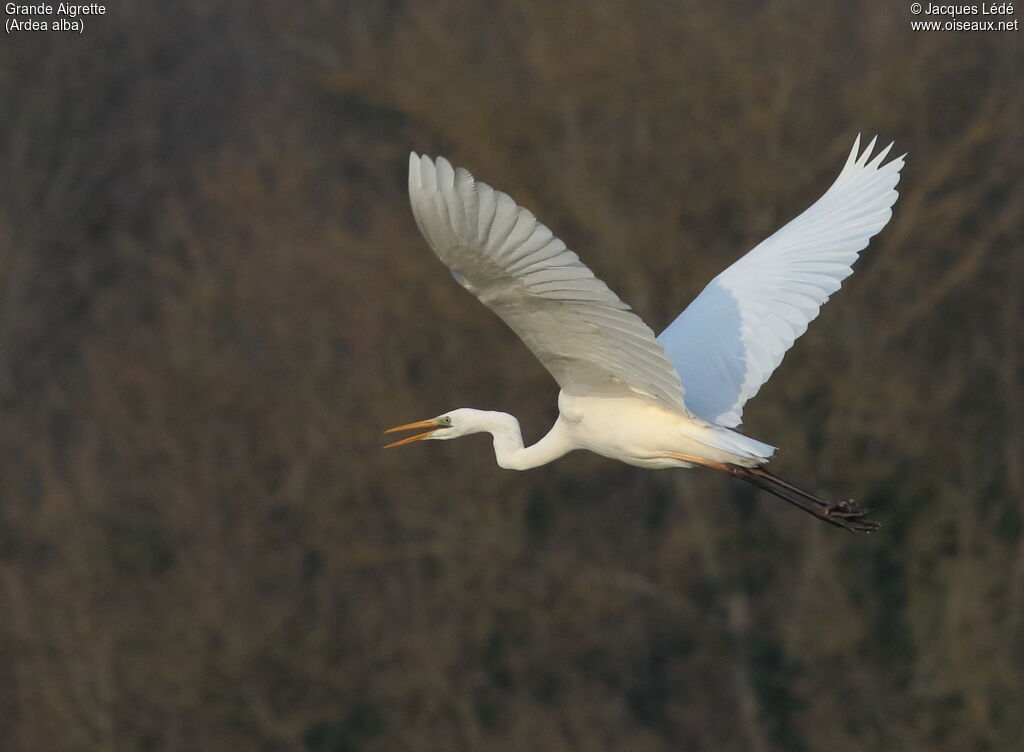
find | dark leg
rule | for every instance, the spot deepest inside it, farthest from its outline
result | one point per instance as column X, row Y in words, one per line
column 845, row 514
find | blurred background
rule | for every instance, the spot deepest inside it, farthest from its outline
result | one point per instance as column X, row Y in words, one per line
column 213, row 298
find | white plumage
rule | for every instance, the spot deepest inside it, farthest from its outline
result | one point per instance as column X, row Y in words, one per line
column 579, row 329
column 669, row 401
column 732, row 336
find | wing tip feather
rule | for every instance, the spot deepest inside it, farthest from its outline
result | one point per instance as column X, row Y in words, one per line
column 415, row 179
column 433, row 174
column 866, row 160
column 855, row 151
column 867, row 151
column 445, row 173
column 428, row 173
column 876, row 161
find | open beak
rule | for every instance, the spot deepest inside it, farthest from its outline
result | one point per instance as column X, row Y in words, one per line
column 408, row 427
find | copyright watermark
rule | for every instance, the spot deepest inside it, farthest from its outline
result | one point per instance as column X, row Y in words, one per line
column 981, row 17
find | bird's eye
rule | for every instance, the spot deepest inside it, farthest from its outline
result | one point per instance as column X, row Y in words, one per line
column 447, row 421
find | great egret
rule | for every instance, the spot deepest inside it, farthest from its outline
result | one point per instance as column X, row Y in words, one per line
column 670, row 401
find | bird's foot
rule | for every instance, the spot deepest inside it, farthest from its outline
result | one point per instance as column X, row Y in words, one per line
column 844, row 508
column 849, row 514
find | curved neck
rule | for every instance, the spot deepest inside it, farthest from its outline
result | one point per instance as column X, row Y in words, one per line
column 508, row 443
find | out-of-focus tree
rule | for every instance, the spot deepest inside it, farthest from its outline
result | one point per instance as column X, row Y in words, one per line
column 213, row 298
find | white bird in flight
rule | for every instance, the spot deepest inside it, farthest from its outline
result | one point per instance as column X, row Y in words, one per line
column 656, row 402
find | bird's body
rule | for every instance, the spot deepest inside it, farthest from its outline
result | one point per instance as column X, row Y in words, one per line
column 670, row 401
column 639, row 433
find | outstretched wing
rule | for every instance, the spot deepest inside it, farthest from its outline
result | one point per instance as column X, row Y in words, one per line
column 732, row 336
column 579, row 329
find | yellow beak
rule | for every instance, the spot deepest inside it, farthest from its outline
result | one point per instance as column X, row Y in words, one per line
column 408, row 427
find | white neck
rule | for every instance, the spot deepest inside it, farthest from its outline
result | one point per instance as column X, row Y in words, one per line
column 508, row 442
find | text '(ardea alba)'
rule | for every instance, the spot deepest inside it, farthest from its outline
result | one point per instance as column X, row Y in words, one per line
column 657, row 402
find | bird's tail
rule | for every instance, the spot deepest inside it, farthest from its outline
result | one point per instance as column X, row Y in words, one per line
column 845, row 514
column 725, row 445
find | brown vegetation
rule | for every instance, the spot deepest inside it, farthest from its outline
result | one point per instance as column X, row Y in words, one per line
column 213, row 298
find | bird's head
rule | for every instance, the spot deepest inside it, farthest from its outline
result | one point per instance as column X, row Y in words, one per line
column 449, row 425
